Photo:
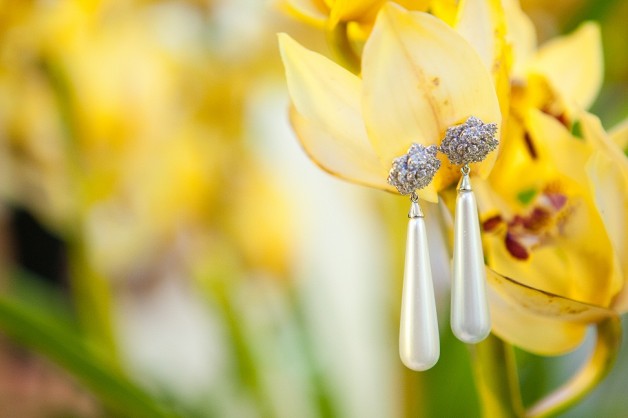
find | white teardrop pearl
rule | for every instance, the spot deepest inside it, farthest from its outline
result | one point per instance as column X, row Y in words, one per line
column 470, row 317
column 419, row 346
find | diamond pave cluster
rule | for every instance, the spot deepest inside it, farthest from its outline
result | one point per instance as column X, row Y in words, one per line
column 463, row 144
column 469, row 142
column 415, row 169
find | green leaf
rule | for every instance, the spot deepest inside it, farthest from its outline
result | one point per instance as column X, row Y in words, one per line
column 51, row 332
column 496, row 378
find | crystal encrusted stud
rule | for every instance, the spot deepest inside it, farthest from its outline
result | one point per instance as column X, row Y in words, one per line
column 415, row 169
column 469, row 142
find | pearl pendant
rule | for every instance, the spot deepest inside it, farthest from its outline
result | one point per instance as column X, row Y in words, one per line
column 470, row 317
column 419, row 346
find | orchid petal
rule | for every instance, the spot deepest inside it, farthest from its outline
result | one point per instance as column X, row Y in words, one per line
column 573, row 65
column 578, row 266
column 417, row 5
column 619, row 135
column 483, row 25
column 328, row 116
column 445, row 10
column 554, row 324
column 607, row 171
column 518, row 169
column 438, row 81
column 609, row 184
column 351, row 10
column 595, row 134
column 305, row 10
column 342, row 159
column 555, row 143
column 522, row 37
column 477, row 22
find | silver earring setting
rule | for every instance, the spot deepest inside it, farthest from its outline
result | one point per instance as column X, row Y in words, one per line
column 419, row 346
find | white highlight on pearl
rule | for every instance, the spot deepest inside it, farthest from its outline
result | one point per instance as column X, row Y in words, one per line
column 470, row 317
column 419, row 346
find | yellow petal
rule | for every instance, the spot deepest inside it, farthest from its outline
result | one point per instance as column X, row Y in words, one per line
column 573, row 65
column 418, row 5
column 607, row 171
column 445, row 10
column 359, row 32
column 522, row 37
column 307, row 11
column 578, row 266
column 557, row 146
column 342, row 159
column 594, row 134
column 538, row 321
column 619, row 135
column 328, row 117
column 483, row 25
column 421, row 77
column 352, row 10
column 610, row 184
column 518, row 169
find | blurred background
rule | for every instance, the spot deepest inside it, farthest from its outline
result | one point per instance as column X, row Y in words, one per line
column 167, row 249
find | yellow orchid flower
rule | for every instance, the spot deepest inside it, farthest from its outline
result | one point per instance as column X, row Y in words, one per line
column 566, row 234
column 348, row 23
column 540, row 211
column 554, row 208
column 553, row 212
column 355, row 126
column 561, row 76
column 351, row 128
column 554, row 229
column 330, row 12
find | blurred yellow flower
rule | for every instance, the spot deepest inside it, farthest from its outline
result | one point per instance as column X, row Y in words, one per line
column 126, row 134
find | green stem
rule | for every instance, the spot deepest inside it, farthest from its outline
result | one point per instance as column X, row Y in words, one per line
column 597, row 366
column 91, row 291
column 321, row 390
column 218, row 284
column 496, row 378
column 92, row 300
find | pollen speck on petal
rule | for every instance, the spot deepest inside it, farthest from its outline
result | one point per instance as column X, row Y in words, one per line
column 491, row 223
column 515, row 248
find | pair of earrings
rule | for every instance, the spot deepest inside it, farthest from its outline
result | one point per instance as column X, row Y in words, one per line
column 419, row 346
